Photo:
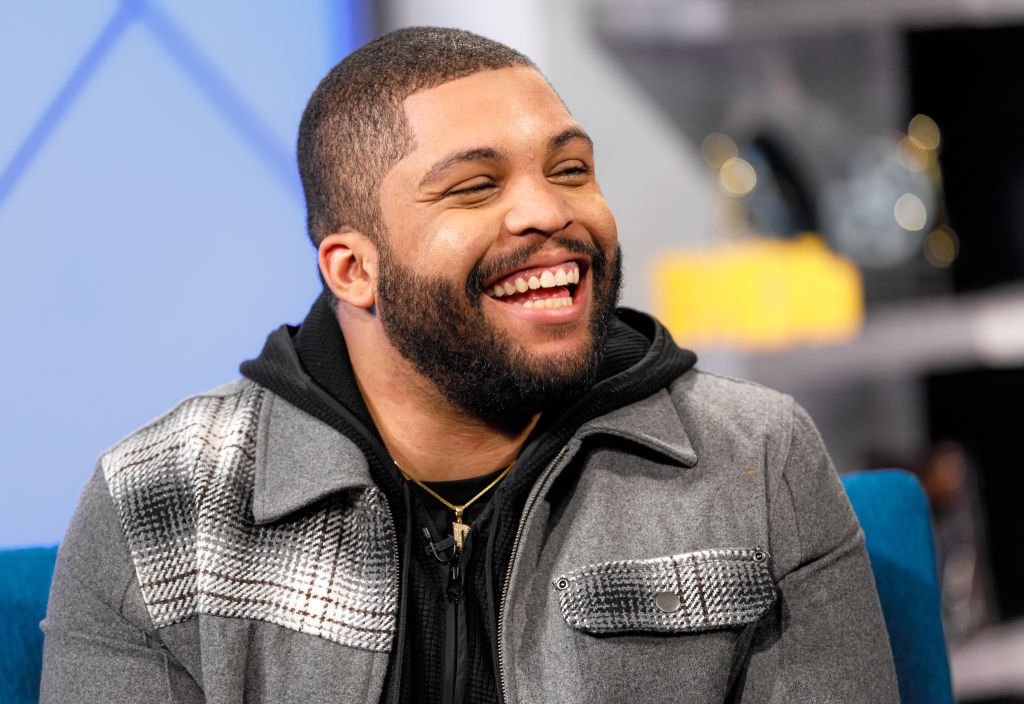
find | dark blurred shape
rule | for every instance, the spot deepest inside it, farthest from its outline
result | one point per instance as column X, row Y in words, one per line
column 783, row 206
column 952, row 487
column 980, row 411
column 968, row 80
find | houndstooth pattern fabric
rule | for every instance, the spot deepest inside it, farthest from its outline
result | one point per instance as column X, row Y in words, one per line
column 714, row 589
column 183, row 488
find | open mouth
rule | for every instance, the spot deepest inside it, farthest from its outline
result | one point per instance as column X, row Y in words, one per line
column 539, row 287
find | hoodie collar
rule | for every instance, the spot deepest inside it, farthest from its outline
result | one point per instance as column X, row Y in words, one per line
column 301, row 460
column 315, row 435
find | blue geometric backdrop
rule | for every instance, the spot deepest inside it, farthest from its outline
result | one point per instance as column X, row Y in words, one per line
column 150, row 216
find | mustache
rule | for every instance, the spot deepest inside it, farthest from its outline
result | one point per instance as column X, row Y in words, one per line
column 511, row 261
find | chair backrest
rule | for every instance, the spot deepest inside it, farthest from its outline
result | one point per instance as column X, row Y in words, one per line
column 893, row 512
column 24, row 589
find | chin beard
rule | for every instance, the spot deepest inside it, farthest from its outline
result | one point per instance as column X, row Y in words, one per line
column 443, row 332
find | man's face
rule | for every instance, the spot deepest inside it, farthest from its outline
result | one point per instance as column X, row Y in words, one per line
column 499, row 264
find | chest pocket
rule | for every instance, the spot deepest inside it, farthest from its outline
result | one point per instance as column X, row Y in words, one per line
column 685, row 593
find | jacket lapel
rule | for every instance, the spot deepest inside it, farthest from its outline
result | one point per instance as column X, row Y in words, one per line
column 300, row 460
column 653, row 422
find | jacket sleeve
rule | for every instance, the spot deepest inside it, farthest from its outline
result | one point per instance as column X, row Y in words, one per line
column 828, row 641
column 99, row 643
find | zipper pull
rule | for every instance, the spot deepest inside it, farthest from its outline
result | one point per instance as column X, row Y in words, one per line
column 454, row 589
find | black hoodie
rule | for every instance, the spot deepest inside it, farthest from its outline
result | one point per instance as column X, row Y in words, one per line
column 446, row 647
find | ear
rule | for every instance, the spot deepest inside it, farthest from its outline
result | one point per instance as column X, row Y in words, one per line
column 348, row 263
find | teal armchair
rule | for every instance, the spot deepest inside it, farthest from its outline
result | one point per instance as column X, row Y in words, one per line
column 24, row 587
column 893, row 511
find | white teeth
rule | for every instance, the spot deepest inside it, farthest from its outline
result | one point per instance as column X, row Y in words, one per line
column 549, row 303
column 547, row 279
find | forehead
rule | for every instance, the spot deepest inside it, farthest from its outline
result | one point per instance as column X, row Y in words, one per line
column 506, row 105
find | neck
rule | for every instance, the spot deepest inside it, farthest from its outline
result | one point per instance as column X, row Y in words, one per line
column 432, row 439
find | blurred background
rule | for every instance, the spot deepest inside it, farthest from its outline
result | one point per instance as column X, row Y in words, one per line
column 825, row 197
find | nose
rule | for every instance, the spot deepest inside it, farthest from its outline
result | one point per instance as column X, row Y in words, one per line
column 537, row 207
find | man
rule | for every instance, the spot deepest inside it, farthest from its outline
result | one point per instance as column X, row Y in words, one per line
column 465, row 477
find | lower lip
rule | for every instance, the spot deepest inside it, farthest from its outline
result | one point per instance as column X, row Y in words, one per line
column 564, row 314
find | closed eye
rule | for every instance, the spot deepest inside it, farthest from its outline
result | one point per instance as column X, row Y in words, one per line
column 573, row 174
column 473, row 187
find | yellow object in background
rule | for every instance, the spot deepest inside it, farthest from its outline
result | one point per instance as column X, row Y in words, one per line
column 759, row 294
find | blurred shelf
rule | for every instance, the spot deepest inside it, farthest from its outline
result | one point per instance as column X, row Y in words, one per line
column 989, row 665
column 703, row 21
column 910, row 339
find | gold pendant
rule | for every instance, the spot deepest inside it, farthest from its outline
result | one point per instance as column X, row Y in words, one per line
column 459, row 531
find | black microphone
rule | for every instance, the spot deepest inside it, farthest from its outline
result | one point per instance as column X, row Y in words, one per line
column 443, row 550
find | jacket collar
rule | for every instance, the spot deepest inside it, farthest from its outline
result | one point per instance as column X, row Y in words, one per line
column 300, row 460
column 653, row 422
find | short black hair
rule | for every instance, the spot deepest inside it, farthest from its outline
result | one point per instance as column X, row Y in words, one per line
column 354, row 130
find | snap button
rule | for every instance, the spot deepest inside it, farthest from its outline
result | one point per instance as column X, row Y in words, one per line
column 667, row 602
column 562, row 584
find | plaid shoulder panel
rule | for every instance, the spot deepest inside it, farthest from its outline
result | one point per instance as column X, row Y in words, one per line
column 183, row 488
column 691, row 592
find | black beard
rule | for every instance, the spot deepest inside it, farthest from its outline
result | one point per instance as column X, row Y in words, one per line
column 443, row 331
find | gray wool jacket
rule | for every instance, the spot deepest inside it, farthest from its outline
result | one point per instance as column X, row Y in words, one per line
column 696, row 546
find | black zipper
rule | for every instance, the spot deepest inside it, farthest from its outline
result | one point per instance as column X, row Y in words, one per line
column 456, row 637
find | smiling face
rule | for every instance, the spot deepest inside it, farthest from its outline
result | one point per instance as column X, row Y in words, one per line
column 499, row 264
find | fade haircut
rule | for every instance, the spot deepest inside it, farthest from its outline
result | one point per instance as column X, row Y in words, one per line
column 354, row 130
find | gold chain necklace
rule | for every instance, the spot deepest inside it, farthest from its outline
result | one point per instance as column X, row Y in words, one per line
column 459, row 529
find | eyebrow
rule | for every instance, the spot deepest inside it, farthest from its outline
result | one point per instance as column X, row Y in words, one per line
column 486, row 153
column 568, row 135
column 439, row 168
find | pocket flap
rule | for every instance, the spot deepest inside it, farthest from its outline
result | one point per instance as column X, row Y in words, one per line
column 694, row 591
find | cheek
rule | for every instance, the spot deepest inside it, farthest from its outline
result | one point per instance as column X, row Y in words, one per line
column 455, row 244
column 435, row 245
column 594, row 213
